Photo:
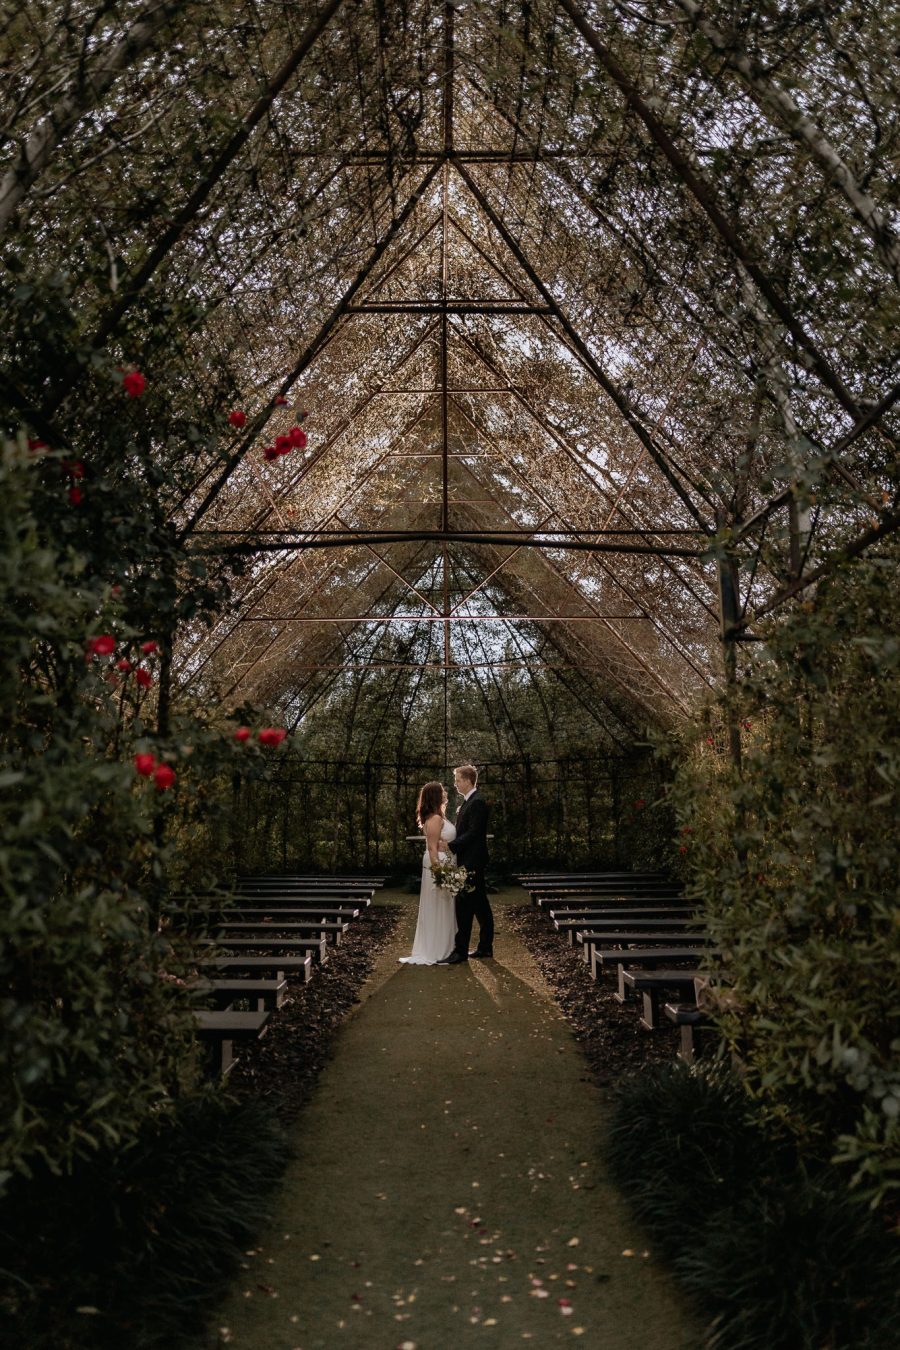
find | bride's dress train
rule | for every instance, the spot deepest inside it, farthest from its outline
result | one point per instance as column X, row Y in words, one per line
column 436, row 928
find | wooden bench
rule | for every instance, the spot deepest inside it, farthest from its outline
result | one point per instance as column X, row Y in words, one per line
column 307, row 902
column 688, row 1018
column 276, row 967
column 629, row 938
column 317, row 878
column 316, row 947
column 649, row 957
column 332, row 930
column 219, row 1031
column 653, row 986
column 302, row 912
column 571, row 923
column 557, row 899
column 302, row 888
column 266, row 994
column 668, row 929
column 527, row 879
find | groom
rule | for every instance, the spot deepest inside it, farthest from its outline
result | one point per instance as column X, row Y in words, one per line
column 470, row 848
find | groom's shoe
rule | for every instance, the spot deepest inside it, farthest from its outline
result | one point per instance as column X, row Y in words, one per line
column 453, row 959
column 482, row 956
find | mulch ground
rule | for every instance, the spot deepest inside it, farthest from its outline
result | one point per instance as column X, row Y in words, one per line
column 609, row 1032
column 283, row 1066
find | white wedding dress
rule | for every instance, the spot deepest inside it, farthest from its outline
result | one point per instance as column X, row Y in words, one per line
column 436, row 927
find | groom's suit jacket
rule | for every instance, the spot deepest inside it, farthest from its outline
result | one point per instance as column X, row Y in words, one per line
column 470, row 844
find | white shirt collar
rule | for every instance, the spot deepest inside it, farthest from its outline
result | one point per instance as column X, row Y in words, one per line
column 469, row 793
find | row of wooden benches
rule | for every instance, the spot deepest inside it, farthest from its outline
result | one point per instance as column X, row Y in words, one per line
column 264, row 930
column 640, row 927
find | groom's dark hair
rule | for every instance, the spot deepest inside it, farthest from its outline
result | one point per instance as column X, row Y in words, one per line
column 470, row 772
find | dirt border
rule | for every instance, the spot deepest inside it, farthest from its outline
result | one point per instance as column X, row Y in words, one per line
column 609, row 1033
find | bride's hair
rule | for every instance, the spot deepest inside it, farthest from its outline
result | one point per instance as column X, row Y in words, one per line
column 431, row 800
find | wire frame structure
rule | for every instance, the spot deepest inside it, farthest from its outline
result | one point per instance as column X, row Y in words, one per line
column 589, row 310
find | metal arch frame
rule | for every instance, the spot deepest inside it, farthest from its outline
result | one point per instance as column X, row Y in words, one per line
column 549, row 309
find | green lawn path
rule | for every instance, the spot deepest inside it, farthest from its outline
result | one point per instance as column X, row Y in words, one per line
column 448, row 1187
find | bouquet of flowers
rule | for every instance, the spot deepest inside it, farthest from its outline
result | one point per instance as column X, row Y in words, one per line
column 449, row 876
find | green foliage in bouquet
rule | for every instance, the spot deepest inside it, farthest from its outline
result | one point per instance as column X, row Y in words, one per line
column 796, row 859
column 451, row 877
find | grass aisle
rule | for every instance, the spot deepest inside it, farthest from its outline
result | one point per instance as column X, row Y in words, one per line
column 447, row 1186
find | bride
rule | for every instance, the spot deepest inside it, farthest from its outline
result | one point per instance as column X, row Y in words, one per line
column 436, row 928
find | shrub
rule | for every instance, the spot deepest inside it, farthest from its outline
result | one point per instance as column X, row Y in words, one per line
column 92, row 1039
column 131, row 1249
column 796, row 859
column 779, row 1254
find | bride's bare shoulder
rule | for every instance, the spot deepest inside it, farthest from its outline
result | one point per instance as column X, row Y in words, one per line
column 432, row 826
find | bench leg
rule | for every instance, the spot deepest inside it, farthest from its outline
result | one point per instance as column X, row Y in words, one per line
column 686, row 1052
column 650, row 1002
column 226, row 1057
column 586, row 953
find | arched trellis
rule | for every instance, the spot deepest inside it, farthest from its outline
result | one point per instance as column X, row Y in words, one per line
column 552, row 319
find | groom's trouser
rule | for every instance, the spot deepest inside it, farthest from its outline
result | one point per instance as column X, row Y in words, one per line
column 471, row 905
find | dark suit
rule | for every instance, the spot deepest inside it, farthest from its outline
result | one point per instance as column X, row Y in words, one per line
column 470, row 848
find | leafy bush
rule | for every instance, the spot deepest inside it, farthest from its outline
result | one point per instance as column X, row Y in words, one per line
column 132, row 1248
column 95, row 1027
column 779, row 1254
column 92, row 1039
column 796, row 859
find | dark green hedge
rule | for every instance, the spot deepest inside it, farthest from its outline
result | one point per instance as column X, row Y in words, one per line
column 131, row 1249
column 777, row 1254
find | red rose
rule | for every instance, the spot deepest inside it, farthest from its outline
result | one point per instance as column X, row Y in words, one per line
column 747, row 725
column 270, row 453
column 639, row 804
column 683, row 848
column 73, row 467
column 102, row 646
column 687, row 829
column 237, row 418
column 280, row 401
column 164, row 777
column 242, row 734
column 272, row 735
column 134, row 383
column 143, row 677
column 284, row 445
column 76, row 496
column 145, row 764
column 35, row 445
column 298, row 438
column 149, row 647
column 710, row 740
column 123, row 665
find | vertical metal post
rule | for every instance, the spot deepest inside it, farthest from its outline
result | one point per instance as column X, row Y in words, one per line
column 798, row 527
column 447, row 98
column 729, row 616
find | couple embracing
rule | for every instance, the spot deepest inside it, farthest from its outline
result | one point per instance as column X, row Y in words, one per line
column 445, row 918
